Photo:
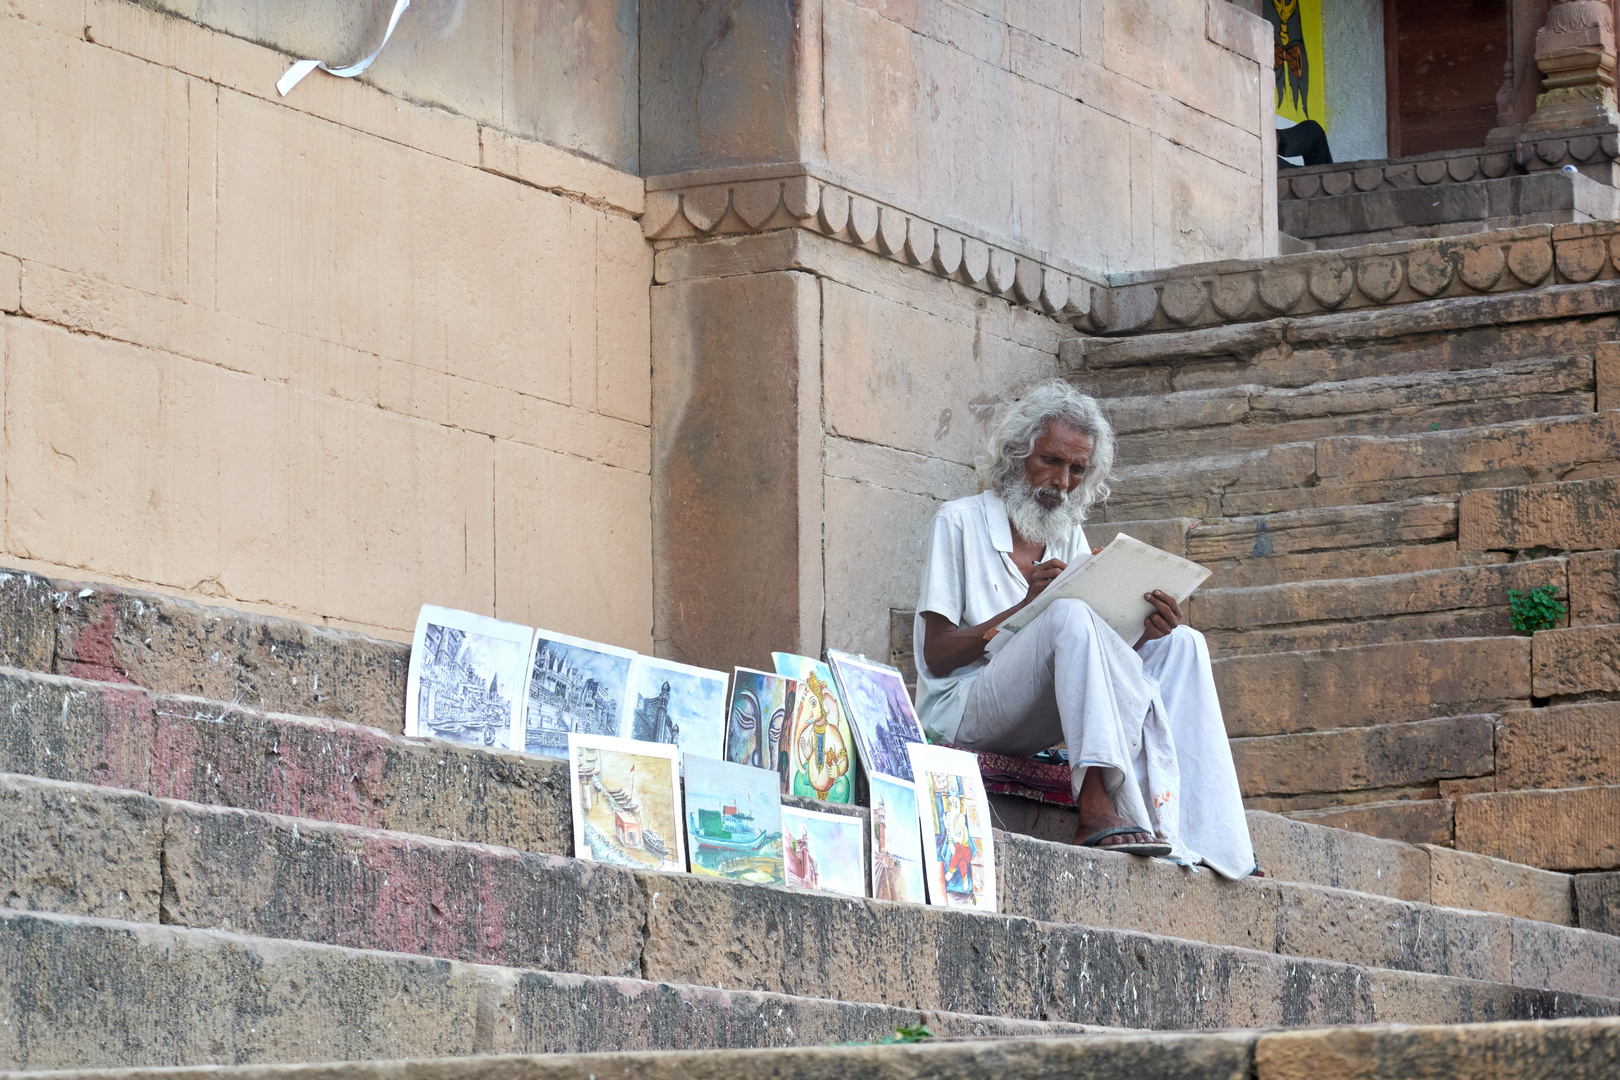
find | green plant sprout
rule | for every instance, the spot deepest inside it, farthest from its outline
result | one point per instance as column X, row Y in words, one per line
column 916, row 1033
column 1536, row 609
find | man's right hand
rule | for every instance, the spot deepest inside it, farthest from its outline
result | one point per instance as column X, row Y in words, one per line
column 1043, row 575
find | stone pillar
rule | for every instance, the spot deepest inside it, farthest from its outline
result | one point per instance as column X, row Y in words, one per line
column 1575, row 51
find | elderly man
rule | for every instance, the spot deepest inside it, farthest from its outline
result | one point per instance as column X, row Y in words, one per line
column 1151, row 769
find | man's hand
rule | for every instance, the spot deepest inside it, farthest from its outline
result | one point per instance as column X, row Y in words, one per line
column 1166, row 616
column 1043, row 575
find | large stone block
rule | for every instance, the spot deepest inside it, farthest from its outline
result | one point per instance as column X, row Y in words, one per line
column 1384, row 756
column 1565, row 829
column 1563, row 746
column 1461, row 879
column 1416, row 821
column 78, row 850
column 1577, row 660
column 1303, row 691
column 737, row 519
column 64, row 729
column 1573, row 515
column 1352, row 459
column 1290, row 850
column 1594, row 588
column 1576, row 1049
column 871, row 572
column 27, row 621
column 1597, row 902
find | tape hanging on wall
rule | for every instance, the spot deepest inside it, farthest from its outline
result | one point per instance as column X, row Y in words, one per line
column 296, row 73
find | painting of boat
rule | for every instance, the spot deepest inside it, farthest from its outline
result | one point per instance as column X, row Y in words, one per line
column 728, row 830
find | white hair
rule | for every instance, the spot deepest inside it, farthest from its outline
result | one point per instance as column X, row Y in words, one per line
column 1024, row 421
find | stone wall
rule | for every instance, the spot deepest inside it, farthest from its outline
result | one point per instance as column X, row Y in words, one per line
column 332, row 355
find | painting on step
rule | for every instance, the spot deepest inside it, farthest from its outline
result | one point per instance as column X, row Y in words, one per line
column 824, row 851
column 733, row 821
column 626, row 802
column 677, row 704
column 955, row 818
column 817, row 753
column 761, row 703
column 880, row 711
column 573, row 686
column 897, row 867
column 466, row 677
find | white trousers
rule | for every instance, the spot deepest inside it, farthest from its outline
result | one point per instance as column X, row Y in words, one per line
column 1150, row 720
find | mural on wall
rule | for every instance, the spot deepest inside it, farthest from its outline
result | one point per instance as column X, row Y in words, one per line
column 1296, row 28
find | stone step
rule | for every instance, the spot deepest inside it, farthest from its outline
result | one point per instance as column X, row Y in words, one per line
column 1389, row 215
column 1318, row 690
column 271, row 876
column 1248, row 417
column 190, row 749
column 1416, row 820
column 1466, row 601
column 1575, row 1049
column 1577, row 660
column 1561, row 829
column 99, row 993
column 1363, row 469
column 1563, row 746
column 1572, row 515
column 1384, row 756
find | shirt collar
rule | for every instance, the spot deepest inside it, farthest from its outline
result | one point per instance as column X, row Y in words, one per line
column 995, row 519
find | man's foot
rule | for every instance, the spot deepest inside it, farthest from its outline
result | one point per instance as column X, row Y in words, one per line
column 1097, row 817
column 1092, row 824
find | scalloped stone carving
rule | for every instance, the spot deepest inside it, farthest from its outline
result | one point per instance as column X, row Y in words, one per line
column 801, row 196
column 1530, row 260
column 947, row 252
column 891, row 231
column 1431, row 172
column 1401, row 175
column 1308, row 186
column 1379, row 277
column 1054, row 291
column 1581, row 259
column 919, row 242
column 1496, row 165
column 1335, row 183
column 756, row 203
column 1583, row 148
column 1280, row 289
column 1027, row 281
column 1369, row 178
column 1462, row 169
column 1482, row 265
column 663, row 209
column 1183, row 300
column 863, row 219
column 975, row 260
column 1332, row 281
column 706, row 207
column 833, row 216
column 1003, row 271
column 1428, row 271
column 1233, row 294
column 1132, row 307
column 1552, row 151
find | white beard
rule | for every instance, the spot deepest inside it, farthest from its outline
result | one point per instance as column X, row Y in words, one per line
column 1035, row 522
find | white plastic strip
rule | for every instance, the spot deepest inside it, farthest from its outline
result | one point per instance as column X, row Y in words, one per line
column 296, row 73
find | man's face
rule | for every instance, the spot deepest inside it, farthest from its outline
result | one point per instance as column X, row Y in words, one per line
column 1058, row 463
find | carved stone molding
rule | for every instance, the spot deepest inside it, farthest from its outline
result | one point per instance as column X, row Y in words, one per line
column 732, row 202
column 1575, row 51
column 1378, row 276
column 1532, row 154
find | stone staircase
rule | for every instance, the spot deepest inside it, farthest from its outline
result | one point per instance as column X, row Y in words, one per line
column 220, row 850
column 1367, row 485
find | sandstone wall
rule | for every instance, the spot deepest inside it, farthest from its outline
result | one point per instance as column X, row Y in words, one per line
column 1110, row 134
column 331, row 356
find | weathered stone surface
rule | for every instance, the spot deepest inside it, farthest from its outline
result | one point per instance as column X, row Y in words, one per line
column 1572, row 1049
column 1573, row 515
column 1475, row 201
column 1594, row 588
column 1331, row 527
column 1424, row 626
column 65, row 729
column 27, row 621
column 1563, row 746
column 89, row 993
column 1238, row 572
column 1416, row 821
column 174, row 646
column 1352, row 460
column 1461, row 879
column 1561, row 958
column 1290, row 850
column 1312, row 691
column 1597, row 902
column 1387, row 755
column 79, row 850
column 1564, row 829
column 1577, row 660
column 1608, row 375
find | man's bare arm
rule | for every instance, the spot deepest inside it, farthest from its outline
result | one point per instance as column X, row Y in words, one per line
column 947, row 646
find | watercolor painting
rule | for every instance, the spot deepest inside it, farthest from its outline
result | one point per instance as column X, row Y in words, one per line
column 574, row 686
column 466, row 677
column 824, row 851
column 675, row 703
column 880, row 711
column 897, row 867
column 626, row 801
column 761, row 703
column 955, row 818
column 817, row 754
column 733, row 821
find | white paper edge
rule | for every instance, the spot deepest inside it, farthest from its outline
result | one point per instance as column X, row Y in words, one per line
column 520, row 724
column 295, row 74
column 626, row 746
column 916, row 834
column 965, row 764
column 628, row 714
column 846, row 820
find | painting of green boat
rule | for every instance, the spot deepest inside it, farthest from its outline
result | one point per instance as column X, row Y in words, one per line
column 733, row 821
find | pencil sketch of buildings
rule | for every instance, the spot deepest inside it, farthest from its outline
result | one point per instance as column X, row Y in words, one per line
column 460, row 695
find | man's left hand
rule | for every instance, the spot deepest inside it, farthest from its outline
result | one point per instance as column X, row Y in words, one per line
column 1166, row 616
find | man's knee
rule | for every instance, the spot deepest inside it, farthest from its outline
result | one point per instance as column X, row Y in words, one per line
column 1069, row 615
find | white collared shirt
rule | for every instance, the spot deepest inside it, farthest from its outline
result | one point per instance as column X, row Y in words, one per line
column 969, row 577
